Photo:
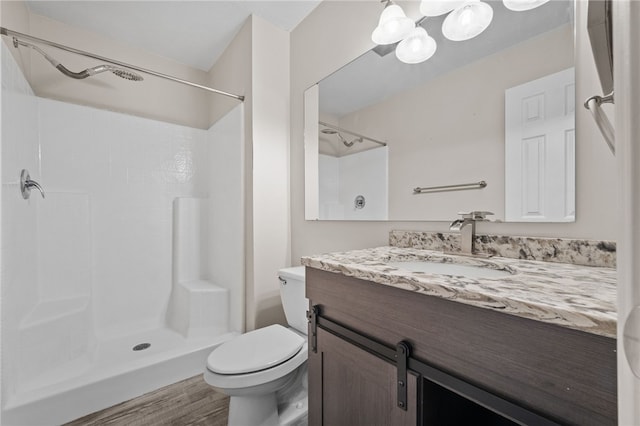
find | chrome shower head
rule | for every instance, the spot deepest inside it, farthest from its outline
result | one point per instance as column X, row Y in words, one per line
column 342, row 139
column 127, row 75
column 120, row 72
column 329, row 131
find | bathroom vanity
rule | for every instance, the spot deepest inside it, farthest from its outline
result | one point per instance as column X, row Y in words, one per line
column 396, row 346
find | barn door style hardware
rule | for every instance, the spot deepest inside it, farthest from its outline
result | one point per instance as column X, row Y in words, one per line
column 398, row 355
column 312, row 316
column 401, row 355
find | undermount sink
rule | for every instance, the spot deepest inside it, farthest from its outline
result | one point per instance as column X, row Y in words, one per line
column 453, row 269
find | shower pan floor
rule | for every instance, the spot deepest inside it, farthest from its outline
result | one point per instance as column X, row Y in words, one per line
column 115, row 373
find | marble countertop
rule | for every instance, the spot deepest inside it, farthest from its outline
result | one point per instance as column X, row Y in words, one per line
column 573, row 296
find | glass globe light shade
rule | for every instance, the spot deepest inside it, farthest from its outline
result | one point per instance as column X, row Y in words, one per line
column 393, row 26
column 467, row 21
column 522, row 5
column 438, row 7
column 417, row 47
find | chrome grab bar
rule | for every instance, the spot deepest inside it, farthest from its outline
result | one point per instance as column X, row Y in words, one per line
column 458, row 187
column 601, row 119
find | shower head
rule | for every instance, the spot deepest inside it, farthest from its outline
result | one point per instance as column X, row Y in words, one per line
column 342, row 139
column 329, row 131
column 120, row 72
column 127, row 75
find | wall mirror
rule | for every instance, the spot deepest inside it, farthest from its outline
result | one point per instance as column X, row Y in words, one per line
column 494, row 114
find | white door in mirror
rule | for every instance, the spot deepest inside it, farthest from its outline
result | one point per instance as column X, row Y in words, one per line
column 540, row 149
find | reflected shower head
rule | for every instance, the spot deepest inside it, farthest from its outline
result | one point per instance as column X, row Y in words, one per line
column 120, row 72
column 342, row 139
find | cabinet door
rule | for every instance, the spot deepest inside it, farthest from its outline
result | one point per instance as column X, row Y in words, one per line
column 349, row 386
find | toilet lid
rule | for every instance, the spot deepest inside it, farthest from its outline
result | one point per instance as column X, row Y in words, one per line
column 254, row 351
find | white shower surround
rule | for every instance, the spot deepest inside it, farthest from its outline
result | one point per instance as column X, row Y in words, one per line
column 87, row 272
column 342, row 179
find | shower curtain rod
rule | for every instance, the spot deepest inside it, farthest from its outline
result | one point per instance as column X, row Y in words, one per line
column 8, row 32
column 358, row 135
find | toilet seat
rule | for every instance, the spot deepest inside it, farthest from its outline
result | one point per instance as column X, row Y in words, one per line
column 255, row 351
column 257, row 378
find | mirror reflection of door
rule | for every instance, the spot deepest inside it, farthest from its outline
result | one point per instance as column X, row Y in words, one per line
column 540, row 180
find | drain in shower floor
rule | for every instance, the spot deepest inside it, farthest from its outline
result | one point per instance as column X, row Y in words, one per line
column 141, row 346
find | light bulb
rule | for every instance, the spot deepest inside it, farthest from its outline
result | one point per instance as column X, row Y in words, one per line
column 467, row 21
column 390, row 26
column 522, row 5
column 466, row 17
column 416, row 47
column 393, row 26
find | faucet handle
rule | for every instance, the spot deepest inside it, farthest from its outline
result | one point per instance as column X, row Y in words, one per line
column 475, row 215
column 26, row 184
column 481, row 215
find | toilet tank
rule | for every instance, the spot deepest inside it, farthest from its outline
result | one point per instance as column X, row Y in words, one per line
column 294, row 302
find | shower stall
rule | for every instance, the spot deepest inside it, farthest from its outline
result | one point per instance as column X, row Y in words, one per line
column 128, row 270
column 353, row 175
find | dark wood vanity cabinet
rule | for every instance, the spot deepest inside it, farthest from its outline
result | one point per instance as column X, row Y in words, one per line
column 563, row 375
column 354, row 387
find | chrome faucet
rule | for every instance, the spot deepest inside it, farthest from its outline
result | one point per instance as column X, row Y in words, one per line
column 467, row 228
column 26, row 184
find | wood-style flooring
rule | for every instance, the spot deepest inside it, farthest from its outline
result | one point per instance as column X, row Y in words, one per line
column 189, row 402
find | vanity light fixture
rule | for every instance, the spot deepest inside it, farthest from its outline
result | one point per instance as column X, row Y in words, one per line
column 393, row 25
column 417, row 47
column 467, row 20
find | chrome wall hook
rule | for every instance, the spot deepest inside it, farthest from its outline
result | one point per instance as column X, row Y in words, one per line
column 26, row 184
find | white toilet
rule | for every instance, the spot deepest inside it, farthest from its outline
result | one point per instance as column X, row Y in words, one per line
column 265, row 371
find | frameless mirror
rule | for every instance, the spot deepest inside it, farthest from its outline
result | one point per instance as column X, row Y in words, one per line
column 484, row 124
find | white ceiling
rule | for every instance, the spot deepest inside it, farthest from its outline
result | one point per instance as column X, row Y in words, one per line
column 194, row 33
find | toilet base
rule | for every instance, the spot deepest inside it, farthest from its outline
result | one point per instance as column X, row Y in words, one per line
column 293, row 406
column 285, row 404
column 255, row 410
